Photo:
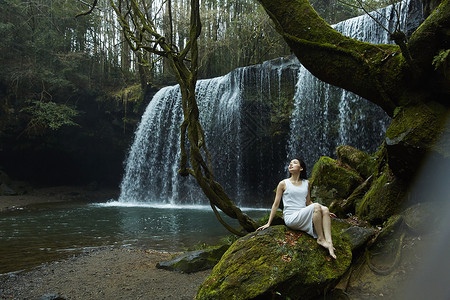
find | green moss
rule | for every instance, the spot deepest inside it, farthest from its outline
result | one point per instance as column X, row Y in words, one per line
column 359, row 160
column 418, row 124
column 275, row 260
column 281, row 111
column 383, row 199
column 331, row 181
column 416, row 130
column 277, row 220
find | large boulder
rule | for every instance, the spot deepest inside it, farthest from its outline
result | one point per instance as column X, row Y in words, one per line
column 331, row 181
column 359, row 160
column 416, row 131
column 276, row 261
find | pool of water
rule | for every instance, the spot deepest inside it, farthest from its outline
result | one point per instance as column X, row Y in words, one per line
column 42, row 233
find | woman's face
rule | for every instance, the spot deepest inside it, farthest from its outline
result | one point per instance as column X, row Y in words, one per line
column 294, row 166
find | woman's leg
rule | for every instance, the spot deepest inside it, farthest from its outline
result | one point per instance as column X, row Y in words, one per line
column 318, row 225
column 323, row 234
column 326, row 225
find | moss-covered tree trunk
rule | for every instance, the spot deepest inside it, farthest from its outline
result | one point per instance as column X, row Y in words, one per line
column 412, row 87
column 201, row 165
column 141, row 34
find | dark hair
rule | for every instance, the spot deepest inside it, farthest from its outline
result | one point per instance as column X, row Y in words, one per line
column 303, row 172
column 303, row 165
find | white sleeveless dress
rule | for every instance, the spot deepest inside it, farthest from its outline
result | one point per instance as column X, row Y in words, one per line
column 297, row 215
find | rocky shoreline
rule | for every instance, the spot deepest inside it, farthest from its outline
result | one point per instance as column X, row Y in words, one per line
column 57, row 194
column 106, row 273
column 99, row 273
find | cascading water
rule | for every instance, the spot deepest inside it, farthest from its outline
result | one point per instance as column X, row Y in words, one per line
column 251, row 127
column 232, row 132
column 326, row 116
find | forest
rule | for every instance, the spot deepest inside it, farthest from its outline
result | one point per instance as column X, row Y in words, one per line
column 72, row 90
column 82, row 81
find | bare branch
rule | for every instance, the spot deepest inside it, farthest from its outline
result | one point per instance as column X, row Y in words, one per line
column 89, row 11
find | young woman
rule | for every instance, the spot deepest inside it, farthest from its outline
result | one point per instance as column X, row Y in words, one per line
column 299, row 212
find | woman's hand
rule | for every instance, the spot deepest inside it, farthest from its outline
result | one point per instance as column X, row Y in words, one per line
column 263, row 227
column 332, row 215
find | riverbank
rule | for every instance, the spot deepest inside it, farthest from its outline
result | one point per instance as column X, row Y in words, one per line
column 58, row 194
column 98, row 273
column 106, row 273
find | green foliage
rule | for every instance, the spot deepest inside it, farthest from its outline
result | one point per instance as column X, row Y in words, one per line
column 247, row 32
column 334, row 11
column 48, row 115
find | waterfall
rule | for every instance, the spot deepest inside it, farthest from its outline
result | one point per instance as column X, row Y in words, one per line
column 326, row 116
column 253, row 117
column 234, row 127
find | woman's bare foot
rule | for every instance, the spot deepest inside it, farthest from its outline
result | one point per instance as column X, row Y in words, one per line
column 327, row 246
column 331, row 250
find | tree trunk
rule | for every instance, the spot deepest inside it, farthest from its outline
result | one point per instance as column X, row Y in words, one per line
column 186, row 73
column 413, row 87
column 201, row 169
column 379, row 73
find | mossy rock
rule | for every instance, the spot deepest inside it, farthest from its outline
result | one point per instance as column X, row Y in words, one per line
column 383, row 200
column 277, row 220
column 276, row 261
column 331, row 181
column 194, row 261
column 413, row 133
column 343, row 208
column 359, row 160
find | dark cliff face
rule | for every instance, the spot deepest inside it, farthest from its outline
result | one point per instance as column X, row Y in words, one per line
column 92, row 152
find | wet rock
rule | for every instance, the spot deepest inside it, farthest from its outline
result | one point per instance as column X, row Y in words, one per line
column 194, row 261
column 358, row 236
column 276, row 262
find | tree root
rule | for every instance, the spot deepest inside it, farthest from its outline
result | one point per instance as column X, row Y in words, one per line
column 389, row 270
column 225, row 224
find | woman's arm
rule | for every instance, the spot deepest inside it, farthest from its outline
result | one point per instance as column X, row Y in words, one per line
column 308, row 196
column 276, row 203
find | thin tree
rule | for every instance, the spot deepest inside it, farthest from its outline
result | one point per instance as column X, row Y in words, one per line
column 141, row 33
